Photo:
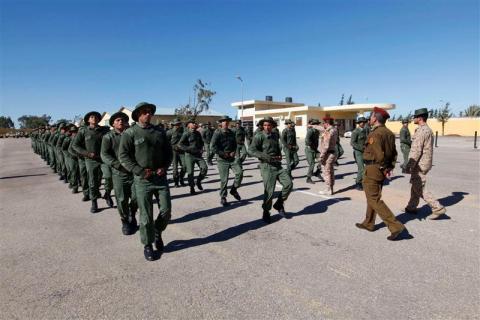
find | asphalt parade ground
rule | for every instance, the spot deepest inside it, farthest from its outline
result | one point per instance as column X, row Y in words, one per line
column 59, row 261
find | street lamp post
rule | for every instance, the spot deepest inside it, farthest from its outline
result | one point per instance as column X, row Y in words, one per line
column 241, row 82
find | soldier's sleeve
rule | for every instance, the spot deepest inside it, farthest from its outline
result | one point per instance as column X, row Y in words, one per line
column 78, row 143
column 283, row 137
column 254, row 149
column 183, row 143
column 308, row 138
column 213, row 144
column 126, row 154
column 354, row 139
column 107, row 152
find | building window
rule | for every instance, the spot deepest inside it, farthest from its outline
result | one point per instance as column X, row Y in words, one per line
column 298, row 121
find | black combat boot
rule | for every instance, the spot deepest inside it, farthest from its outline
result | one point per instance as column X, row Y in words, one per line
column 74, row 190
column 317, row 172
column 235, row 194
column 192, row 190
column 86, row 198
column 126, row 229
column 309, row 180
column 278, row 205
column 182, row 179
column 223, row 201
column 148, row 252
column 94, row 207
column 62, row 177
column 133, row 224
column 266, row 216
column 159, row 243
column 65, row 180
column 359, row 187
column 108, row 199
column 199, row 183
column 175, row 180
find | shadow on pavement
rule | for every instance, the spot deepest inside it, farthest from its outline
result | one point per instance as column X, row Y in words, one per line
column 319, row 207
column 24, row 176
column 455, row 198
column 342, row 175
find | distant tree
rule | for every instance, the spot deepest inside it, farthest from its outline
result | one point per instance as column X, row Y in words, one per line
column 460, row 114
column 430, row 113
column 62, row 121
column 202, row 98
column 400, row 118
column 350, row 101
column 443, row 115
column 6, row 123
column 408, row 116
column 472, row 111
column 32, row 122
column 435, row 113
column 319, row 104
column 341, row 100
column 393, row 118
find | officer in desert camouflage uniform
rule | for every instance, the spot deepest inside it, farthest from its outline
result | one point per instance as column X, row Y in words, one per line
column 419, row 164
column 328, row 154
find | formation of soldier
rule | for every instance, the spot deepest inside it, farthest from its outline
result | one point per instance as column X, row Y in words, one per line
column 134, row 160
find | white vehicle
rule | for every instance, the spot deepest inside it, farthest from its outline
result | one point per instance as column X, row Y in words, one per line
column 347, row 134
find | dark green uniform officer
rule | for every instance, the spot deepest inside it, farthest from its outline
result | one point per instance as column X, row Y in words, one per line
column 207, row 134
column 249, row 134
column 122, row 179
column 45, row 138
column 66, row 155
column 61, row 167
column 311, row 147
column 266, row 147
column 224, row 145
column 290, row 147
column 88, row 143
column 74, row 173
column 380, row 156
column 192, row 144
column 405, row 143
column 52, row 140
column 357, row 141
column 82, row 168
column 240, row 136
column 174, row 134
column 146, row 152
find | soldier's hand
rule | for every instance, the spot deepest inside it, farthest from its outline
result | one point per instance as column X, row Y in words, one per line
column 387, row 173
column 161, row 172
column 147, row 173
column 91, row 155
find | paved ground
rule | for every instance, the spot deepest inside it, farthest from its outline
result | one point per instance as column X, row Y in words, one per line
column 58, row 261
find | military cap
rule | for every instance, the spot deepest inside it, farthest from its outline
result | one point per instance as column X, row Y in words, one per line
column 73, row 128
column 267, row 119
column 175, row 121
column 420, row 112
column 361, row 119
column 382, row 111
column 92, row 113
column 225, row 118
column 405, row 121
column 288, row 121
column 118, row 115
column 142, row 106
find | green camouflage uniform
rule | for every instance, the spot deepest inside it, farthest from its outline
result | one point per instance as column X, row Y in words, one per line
column 357, row 141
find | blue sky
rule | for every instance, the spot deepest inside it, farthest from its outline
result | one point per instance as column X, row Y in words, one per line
column 65, row 58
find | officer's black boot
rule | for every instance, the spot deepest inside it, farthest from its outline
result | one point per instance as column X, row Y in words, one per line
column 159, row 243
column 278, row 205
column 192, row 190
column 199, row 183
column 175, row 180
column 133, row 224
column 74, row 190
column 317, row 172
column 108, row 199
column 61, row 177
column 126, row 228
column 86, row 198
column 223, row 201
column 148, row 252
column 94, row 207
column 309, row 180
column 359, row 187
column 65, row 179
column 235, row 194
column 266, row 216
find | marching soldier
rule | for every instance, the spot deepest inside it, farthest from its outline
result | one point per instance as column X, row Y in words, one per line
column 266, row 147
column 146, row 152
column 405, row 143
column 192, row 144
column 311, row 147
column 174, row 135
column 52, row 140
column 290, row 147
column 66, row 155
column 249, row 134
column 82, row 167
column 45, row 138
column 419, row 164
column 74, row 174
column 328, row 154
column 207, row 134
column 224, row 145
column 379, row 156
column 357, row 141
column 122, row 179
column 240, row 136
column 61, row 167
column 88, row 143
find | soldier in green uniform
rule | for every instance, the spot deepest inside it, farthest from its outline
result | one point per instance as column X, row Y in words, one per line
column 146, row 152
column 405, row 143
column 249, row 134
column 290, row 147
column 122, row 179
column 380, row 156
column 88, row 143
column 192, row 144
column 266, row 147
column 311, row 147
column 45, row 138
column 74, row 173
column 61, row 167
column 240, row 136
column 52, row 140
column 107, row 180
column 224, row 145
column 174, row 135
column 66, row 155
column 357, row 141
column 82, row 168
column 207, row 134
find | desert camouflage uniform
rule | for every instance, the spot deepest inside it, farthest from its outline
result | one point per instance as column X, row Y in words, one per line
column 419, row 163
column 328, row 155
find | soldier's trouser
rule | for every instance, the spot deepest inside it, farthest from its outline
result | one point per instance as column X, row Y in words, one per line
column 73, row 171
column 208, row 152
column 144, row 190
column 125, row 194
column 82, row 168
column 419, row 180
column 183, row 162
column 358, row 156
column 405, row 151
column 176, row 162
column 327, row 170
column 240, row 154
column 191, row 160
column 224, row 167
column 291, row 158
column 59, row 156
column 311, row 156
column 94, row 170
column 66, row 161
column 372, row 185
column 338, row 151
column 107, row 178
column 53, row 159
column 270, row 174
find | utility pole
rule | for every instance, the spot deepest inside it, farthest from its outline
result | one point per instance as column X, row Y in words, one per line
column 241, row 84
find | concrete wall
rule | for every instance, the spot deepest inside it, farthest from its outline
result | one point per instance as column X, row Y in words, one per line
column 454, row 126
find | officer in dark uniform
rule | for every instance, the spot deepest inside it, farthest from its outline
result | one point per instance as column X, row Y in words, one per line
column 311, row 147
column 290, row 147
column 405, row 143
column 357, row 141
column 174, row 135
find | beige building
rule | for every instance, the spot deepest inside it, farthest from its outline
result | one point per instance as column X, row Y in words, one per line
column 251, row 111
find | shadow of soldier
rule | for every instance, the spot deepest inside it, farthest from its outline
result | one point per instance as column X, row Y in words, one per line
column 319, row 207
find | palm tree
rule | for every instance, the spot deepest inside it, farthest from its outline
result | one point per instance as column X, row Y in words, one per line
column 472, row 111
column 443, row 115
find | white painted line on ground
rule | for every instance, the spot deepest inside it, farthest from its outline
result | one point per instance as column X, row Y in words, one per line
column 310, row 193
